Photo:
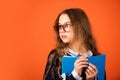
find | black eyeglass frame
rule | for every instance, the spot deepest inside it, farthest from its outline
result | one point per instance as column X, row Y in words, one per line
column 66, row 27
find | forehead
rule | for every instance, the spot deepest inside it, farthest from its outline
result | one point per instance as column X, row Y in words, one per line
column 63, row 19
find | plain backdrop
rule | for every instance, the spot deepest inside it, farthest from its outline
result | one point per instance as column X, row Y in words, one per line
column 27, row 35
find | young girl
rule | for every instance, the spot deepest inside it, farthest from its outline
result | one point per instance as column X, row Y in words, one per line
column 74, row 38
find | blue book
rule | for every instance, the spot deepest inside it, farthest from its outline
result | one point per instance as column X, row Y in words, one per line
column 99, row 61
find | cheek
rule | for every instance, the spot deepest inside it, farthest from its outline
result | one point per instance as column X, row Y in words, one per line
column 60, row 36
column 71, row 37
column 68, row 38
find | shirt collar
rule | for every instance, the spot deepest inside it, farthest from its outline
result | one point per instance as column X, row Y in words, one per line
column 86, row 54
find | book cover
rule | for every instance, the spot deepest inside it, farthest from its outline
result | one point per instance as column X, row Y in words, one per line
column 99, row 61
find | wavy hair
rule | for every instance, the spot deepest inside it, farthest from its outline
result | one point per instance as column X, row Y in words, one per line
column 82, row 30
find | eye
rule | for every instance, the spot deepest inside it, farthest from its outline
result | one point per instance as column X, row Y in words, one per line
column 60, row 26
column 66, row 25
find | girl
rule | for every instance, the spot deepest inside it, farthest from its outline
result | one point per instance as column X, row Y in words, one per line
column 74, row 38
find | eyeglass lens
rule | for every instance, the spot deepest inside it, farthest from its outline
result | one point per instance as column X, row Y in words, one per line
column 65, row 27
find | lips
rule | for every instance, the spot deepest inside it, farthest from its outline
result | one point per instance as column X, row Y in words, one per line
column 63, row 36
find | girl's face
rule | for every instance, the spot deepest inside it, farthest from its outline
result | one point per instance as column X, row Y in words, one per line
column 65, row 28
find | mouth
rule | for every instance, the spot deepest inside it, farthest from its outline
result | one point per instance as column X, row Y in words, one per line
column 63, row 36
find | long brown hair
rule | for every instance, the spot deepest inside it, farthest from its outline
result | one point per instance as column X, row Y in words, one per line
column 81, row 27
column 82, row 30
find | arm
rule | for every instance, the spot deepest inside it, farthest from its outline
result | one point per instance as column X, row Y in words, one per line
column 51, row 72
column 79, row 64
column 72, row 76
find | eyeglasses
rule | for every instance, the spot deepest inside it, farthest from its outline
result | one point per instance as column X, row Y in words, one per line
column 65, row 27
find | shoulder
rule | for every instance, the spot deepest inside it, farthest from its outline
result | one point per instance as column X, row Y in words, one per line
column 53, row 55
column 53, row 52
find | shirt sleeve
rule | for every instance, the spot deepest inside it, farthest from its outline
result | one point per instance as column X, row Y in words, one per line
column 72, row 76
column 76, row 76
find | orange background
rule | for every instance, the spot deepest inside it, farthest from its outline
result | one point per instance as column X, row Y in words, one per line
column 27, row 36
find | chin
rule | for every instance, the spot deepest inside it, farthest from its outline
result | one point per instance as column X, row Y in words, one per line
column 65, row 41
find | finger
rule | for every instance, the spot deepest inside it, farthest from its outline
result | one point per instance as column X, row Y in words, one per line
column 81, row 60
column 90, row 76
column 83, row 63
column 82, row 66
column 91, row 71
column 93, row 67
column 88, row 72
column 83, row 57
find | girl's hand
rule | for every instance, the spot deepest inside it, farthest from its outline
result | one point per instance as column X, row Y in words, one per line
column 91, row 72
column 80, row 63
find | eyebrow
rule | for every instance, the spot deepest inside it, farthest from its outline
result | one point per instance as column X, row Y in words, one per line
column 64, row 23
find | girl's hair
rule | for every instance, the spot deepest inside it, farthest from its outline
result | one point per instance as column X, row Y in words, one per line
column 82, row 31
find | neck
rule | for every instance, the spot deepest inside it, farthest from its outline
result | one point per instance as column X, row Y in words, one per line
column 78, row 49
